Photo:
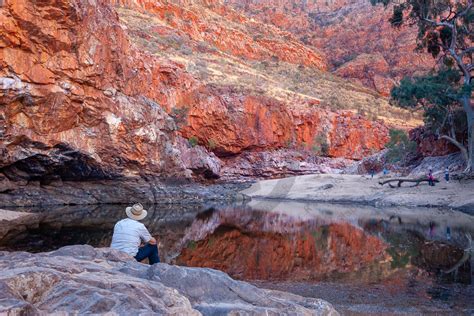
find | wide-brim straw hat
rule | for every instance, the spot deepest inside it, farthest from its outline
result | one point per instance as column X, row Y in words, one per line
column 136, row 212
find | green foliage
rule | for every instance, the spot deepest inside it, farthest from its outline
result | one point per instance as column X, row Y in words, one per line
column 438, row 92
column 193, row 141
column 422, row 13
column 441, row 88
column 320, row 145
column 320, row 237
column 211, row 144
column 191, row 245
column 399, row 146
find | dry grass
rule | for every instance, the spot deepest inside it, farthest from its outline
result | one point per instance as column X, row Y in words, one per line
column 295, row 85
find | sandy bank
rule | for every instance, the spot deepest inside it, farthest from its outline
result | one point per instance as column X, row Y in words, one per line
column 364, row 190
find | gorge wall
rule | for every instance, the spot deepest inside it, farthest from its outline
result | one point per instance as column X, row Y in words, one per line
column 93, row 91
column 356, row 37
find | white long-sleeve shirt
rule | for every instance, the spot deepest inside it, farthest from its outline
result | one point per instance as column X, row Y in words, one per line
column 128, row 234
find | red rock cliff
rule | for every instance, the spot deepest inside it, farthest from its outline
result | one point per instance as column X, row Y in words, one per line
column 79, row 100
column 355, row 36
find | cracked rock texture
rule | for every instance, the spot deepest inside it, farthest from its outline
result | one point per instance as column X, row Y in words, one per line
column 81, row 279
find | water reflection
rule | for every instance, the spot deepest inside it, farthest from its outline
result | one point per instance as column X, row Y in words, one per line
column 46, row 229
column 271, row 240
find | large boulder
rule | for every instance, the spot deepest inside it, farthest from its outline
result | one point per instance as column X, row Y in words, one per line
column 82, row 279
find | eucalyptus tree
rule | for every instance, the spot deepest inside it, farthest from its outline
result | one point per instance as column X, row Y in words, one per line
column 446, row 31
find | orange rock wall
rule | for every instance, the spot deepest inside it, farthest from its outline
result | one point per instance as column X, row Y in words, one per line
column 192, row 18
column 69, row 75
column 356, row 37
column 234, row 123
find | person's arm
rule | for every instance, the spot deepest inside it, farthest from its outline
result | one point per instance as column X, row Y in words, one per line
column 146, row 236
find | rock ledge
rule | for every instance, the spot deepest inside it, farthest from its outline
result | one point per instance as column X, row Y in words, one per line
column 82, row 279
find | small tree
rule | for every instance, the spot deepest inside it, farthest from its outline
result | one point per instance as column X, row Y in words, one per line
column 399, row 146
column 446, row 31
column 438, row 93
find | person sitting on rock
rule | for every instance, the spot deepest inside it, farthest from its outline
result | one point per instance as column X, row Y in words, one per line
column 129, row 233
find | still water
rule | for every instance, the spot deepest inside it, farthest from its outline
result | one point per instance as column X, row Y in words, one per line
column 362, row 259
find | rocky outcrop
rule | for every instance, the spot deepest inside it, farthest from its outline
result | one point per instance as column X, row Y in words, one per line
column 356, row 189
column 73, row 87
column 355, row 36
column 81, row 279
column 429, row 145
column 279, row 163
column 228, row 31
column 81, row 102
column 233, row 123
column 121, row 190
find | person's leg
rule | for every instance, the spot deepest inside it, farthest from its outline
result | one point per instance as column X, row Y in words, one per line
column 150, row 252
column 153, row 257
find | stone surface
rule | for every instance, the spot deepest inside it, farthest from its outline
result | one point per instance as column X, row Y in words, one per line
column 364, row 190
column 199, row 160
column 355, row 36
column 77, row 100
column 117, row 191
column 91, row 107
column 429, row 145
column 81, row 279
column 279, row 163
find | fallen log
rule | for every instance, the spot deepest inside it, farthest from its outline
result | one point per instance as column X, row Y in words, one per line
column 401, row 180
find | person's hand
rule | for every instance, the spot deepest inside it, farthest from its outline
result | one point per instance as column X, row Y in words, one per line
column 152, row 241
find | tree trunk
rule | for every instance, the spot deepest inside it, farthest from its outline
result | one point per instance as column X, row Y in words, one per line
column 467, row 106
column 470, row 163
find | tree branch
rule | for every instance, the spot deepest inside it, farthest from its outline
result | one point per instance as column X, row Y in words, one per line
column 465, row 11
column 450, row 25
column 469, row 50
column 458, row 145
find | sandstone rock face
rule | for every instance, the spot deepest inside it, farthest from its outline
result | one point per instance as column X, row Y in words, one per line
column 197, row 20
column 279, row 163
column 80, row 102
column 235, row 123
column 72, row 86
column 199, row 159
column 356, row 37
column 428, row 145
column 81, row 279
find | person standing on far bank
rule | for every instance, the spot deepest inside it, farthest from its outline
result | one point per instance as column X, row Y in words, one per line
column 129, row 234
column 446, row 174
column 431, row 178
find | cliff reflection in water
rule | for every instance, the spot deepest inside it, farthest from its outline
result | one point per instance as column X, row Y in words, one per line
column 271, row 240
column 314, row 242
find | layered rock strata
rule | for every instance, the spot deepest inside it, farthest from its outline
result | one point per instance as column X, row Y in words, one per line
column 80, row 102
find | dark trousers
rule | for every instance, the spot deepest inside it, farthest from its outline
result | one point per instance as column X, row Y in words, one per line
column 148, row 251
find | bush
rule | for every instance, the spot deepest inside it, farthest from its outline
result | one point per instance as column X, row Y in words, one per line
column 400, row 147
column 211, row 144
column 193, row 141
column 320, row 145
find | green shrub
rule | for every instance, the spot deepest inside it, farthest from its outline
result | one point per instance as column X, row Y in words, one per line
column 320, row 145
column 211, row 144
column 193, row 141
column 399, row 146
